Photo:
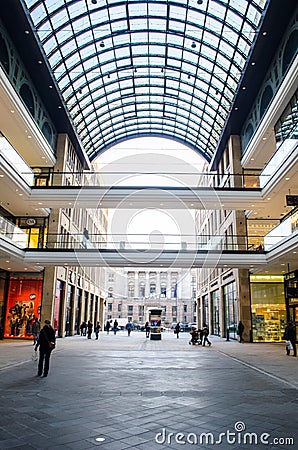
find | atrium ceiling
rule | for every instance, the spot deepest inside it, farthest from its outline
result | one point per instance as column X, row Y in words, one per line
column 187, row 70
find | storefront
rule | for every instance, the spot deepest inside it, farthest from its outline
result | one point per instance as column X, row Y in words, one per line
column 231, row 309
column 268, row 308
column 215, row 302
column 3, row 288
column 23, row 304
column 291, row 292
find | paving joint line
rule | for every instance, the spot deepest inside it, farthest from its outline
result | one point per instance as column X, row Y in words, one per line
column 257, row 369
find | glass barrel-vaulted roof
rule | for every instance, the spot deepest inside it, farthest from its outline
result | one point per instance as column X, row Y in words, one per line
column 134, row 68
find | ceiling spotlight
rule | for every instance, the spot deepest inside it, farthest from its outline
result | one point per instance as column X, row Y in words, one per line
column 199, row 2
column 102, row 44
column 193, row 45
column 94, row 2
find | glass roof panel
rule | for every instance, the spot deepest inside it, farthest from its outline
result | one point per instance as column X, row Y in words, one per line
column 133, row 67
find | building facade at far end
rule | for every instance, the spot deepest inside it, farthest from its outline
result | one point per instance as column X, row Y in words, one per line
column 131, row 293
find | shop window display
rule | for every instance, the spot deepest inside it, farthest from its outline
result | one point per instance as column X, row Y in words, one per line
column 23, row 305
column 268, row 311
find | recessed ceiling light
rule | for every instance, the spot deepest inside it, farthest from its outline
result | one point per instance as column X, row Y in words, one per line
column 287, row 179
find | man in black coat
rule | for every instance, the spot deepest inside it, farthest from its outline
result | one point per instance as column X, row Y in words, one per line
column 46, row 343
column 290, row 335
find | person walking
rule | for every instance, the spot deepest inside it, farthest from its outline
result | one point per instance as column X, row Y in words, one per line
column 240, row 330
column 129, row 327
column 147, row 329
column 108, row 326
column 115, row 327
column 290, row 335
column 35, row 330
column 97, row 329
column 89, row 329
column 46, row 343
column 177, row 329
column 205, row 336
column 83, row 328
column 85, row 238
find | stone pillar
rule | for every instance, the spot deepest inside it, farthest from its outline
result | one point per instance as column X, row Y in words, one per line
column 48, row 294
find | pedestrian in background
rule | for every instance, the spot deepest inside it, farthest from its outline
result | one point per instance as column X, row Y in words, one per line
column 290, row 335
column 108, row 326
column 97, row 329
column 46, row 343
column 83, row 328
column 177, row 329
column 115, row 327
column 240, row 330
column 89, row 329
column 35, row 330
column 205, row 336
column 129, row 327
column 147, row 329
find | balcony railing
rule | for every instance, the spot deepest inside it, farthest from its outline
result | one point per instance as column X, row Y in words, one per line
column 16, row 162
column 13, row 234
column 285, row 229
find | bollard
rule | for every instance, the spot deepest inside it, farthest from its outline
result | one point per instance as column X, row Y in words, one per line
column 228, row 334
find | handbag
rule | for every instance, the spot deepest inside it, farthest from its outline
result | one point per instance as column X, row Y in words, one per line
column 52, row 345
column 289, row 345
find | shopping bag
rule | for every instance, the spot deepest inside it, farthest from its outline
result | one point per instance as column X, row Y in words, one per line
column 289, row 345
column 34, row 355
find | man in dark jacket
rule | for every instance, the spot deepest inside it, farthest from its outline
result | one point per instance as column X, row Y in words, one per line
column 290, row 335
column 46, row 342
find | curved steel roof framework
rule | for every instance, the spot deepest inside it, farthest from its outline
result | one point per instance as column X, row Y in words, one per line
column 136, row 68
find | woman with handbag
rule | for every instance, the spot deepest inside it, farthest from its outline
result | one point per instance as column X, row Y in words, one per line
column 46, row 343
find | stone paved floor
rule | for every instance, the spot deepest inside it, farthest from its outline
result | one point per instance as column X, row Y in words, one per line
column 125, row 392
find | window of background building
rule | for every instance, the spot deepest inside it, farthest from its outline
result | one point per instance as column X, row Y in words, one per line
column 163, row 291
column 130, row 309
column 110, row 292
column 111, row 277
column 174, row 290
column 110, row 307
column 142, row 289
column 119, row 307
column 131, row 289
column 152, row 289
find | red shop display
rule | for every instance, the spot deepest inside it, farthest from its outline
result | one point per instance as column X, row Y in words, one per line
column 23, row 305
